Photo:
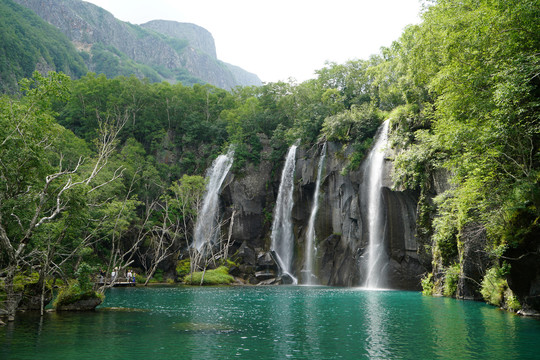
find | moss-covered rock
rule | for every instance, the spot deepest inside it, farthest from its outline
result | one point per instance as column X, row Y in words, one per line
column 79, row 295
column 219, row 276
column 72, row 299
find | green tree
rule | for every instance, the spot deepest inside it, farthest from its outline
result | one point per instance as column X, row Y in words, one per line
column 40, row 185
column 473, row 66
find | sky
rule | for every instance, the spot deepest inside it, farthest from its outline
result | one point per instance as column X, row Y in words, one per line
column 282, row 39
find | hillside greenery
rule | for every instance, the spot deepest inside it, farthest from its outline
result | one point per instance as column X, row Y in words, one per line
column 461, row 89
column 28, row 43
column 26, row 40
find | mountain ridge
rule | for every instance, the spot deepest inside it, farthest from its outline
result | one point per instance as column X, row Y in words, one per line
column 115, row 47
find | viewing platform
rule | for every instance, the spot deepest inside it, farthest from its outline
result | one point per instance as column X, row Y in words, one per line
column 119, row 282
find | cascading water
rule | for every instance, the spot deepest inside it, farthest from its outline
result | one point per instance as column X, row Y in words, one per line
column 207, row 226
column 377, row 258
column 309, row 276
column 282, row 227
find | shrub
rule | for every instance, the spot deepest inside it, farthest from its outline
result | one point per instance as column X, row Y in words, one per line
column 357, row 124
column 493, row 287
column 158, row 276
column 20, row 281
column 83, row 274
column 140, row 279
column 427, row 284
column 219, row 276
column 495, row 290
column 361, row 149
column 451, row 280
column 183, row 267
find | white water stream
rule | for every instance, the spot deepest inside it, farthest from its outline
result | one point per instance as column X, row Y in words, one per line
column 377, row 258
column 282, row 227
column 310, row 251
column 207, row 227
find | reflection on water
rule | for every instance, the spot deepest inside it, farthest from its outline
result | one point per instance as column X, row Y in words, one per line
column 273, row 323
column 376, row 319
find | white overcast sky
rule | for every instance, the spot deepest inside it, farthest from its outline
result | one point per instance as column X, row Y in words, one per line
column 282, row 39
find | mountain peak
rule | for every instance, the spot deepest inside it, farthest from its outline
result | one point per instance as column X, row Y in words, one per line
column 197, row 36
column 159, row 50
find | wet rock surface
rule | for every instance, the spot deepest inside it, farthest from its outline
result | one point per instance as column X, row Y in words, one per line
column 341, row 233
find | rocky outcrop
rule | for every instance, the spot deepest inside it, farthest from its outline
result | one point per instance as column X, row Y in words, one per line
column 207, row 68
column 197, row 37
column 200, row 57
column 87, row 304
column 242, row 76
column 86, row 25
column 475, row 261
column 524, row 276
column 341, row 236
column 31, row 299
column 405, row 267
column 246, row 197
column 339, row 222
column 342, row 223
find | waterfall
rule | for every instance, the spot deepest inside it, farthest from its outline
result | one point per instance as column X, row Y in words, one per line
column 377, row 258
column 310, row 235
column 282, row 227
column 207, row 226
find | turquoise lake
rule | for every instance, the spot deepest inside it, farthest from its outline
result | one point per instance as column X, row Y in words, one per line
column 283, row 322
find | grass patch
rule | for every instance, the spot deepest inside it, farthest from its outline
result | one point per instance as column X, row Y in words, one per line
column 219, row 276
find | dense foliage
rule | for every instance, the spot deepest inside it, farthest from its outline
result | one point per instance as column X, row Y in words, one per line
column 27, row 40
column 461, row 89
column 471, row 71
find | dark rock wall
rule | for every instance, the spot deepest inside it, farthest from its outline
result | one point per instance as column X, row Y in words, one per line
column 341, row 234
column 405, row 269
column 524, row 276
column 250, row 196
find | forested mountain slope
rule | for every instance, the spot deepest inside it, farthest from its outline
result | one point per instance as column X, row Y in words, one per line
column 114, row 48
column 28, row 43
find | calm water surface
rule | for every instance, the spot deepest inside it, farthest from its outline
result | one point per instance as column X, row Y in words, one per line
column 273, row 323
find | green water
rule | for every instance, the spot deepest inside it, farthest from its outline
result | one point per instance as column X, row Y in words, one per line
column 273, row 323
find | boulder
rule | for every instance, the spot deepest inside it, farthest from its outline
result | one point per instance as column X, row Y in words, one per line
column 286, row 279
column 265, row 275
column 81, row 305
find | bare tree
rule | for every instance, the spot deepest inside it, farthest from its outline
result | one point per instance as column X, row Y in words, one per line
column 163, row 240
column 211, row 254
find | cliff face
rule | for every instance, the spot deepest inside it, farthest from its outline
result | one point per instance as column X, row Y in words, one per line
column 197, row 37
column 341, row 233
column 86, row 24
column 200, row 57
column 154, row 44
